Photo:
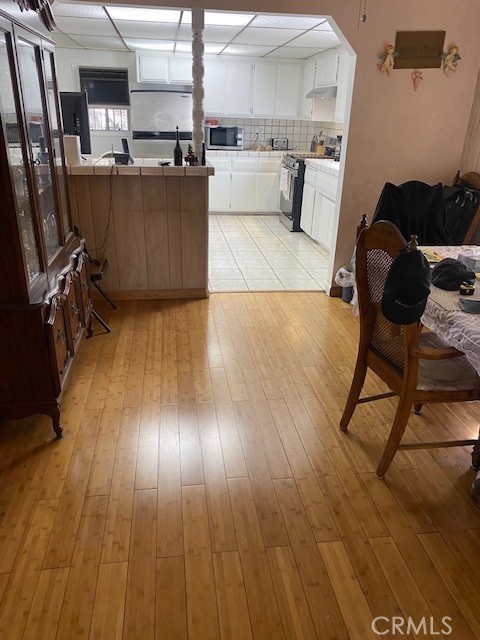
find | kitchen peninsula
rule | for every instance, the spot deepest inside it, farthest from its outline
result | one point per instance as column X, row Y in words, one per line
column 150, row 222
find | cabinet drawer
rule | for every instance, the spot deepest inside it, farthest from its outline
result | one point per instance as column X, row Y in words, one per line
column 244, row 164
column 327, row 183
column 272, row 164
column 83, row 289
column 73, row 304
column 310, row 175
column 220, row 164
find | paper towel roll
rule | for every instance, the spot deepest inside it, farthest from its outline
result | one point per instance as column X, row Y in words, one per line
column 72, row 149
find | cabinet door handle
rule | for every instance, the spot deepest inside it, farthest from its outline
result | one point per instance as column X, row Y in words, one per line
column 61, row 336
column 74, row 307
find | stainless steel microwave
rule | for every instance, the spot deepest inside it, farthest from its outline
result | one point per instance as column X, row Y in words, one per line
column 227, row 138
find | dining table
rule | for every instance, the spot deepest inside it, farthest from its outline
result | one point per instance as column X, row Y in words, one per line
column 444, row 315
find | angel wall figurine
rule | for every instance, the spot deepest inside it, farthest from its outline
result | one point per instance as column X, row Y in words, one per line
column 387, row 59
column 416, row 78
column 450, row 59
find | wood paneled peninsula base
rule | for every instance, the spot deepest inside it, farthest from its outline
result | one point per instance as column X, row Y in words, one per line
column 155, row 221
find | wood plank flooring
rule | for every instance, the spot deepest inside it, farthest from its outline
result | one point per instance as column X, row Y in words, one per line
column 204, row 491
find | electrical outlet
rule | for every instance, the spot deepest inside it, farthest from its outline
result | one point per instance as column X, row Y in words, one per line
column 260, row 132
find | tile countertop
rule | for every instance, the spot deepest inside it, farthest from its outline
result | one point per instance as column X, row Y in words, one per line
column 247, row 152
column 329, row 166
column 141, row 166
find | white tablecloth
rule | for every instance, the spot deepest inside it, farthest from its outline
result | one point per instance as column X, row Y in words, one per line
column 444, row 316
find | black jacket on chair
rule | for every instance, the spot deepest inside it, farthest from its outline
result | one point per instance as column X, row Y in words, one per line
column 415, row 208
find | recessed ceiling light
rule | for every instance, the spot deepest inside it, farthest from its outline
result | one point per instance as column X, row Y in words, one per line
column 222, row 19
column 143, row 15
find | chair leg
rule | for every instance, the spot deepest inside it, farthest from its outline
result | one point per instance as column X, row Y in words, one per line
column 476, row 457
column 355, row 390
column 417, row 409
column 101, row 321
column 102, row 292
column 396, row 435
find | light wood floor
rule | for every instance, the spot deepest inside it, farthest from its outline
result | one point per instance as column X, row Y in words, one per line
column 203, row 489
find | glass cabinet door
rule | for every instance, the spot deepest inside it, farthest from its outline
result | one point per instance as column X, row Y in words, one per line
column 18, row 163
column 56, row 129
column 39, row 142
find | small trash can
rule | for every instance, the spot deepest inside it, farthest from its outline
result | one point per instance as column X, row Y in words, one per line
column 345, row 279
column 347, row 294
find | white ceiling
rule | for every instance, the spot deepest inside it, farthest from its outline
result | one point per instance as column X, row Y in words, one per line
column 89, row 26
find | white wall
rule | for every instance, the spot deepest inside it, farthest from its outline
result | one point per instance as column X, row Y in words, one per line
column 68, row 62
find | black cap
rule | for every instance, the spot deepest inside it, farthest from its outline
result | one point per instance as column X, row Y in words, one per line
column 450, row 273
column 406, row 288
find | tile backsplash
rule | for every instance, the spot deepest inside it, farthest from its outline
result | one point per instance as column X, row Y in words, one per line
column 298, row 132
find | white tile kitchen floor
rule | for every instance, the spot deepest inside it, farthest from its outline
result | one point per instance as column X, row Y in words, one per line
column 258, row 253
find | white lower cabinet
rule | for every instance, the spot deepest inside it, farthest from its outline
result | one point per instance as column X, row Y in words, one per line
column 322, row 227
column 243, row 191
column 266, row 191
column 219, row 191
column 308, row 204
column 318, row 206
column 244, row 184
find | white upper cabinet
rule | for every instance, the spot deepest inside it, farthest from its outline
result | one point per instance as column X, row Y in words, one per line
column 342, row 83
column 264, row 89
column 228, row 87
column 239, row 88
column 152, row 67
column 289, row 78
column 215, row 81
column 180, row 70
column 308, row 84
column 276, row 89
column 156, row 67
column 326, row 71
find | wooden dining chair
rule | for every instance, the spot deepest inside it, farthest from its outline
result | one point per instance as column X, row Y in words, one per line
column 470, row 180
column 417, row 367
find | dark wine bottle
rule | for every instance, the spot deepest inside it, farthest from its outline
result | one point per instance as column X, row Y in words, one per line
column 177, row 153
column 203, row 160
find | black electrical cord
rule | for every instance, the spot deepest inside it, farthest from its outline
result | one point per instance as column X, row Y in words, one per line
column 103, row 246
column 253, row 143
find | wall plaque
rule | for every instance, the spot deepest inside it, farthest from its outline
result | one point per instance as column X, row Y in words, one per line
column 419, row 49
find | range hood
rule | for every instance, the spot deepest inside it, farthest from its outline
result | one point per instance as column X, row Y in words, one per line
column 323, row 92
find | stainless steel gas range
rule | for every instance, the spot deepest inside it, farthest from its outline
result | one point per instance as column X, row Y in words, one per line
column 292, row 177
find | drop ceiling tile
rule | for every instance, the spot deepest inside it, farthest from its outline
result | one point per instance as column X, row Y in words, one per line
column 225, row 18
column 213, row 47
column 84, row 10
column 245, row 50
column 156, row 45
column 183, row 46
column 62, row 40
column 211, row 33
column 86, row 26
column 100, row 42
column 324, row 26
column 286, row 22
column 320, row 39
column 299, row 53
column 143, row 15
column 274, row 37
column 148, row 30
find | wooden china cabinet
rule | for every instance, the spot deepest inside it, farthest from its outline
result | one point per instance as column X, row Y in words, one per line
column 45, row 304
